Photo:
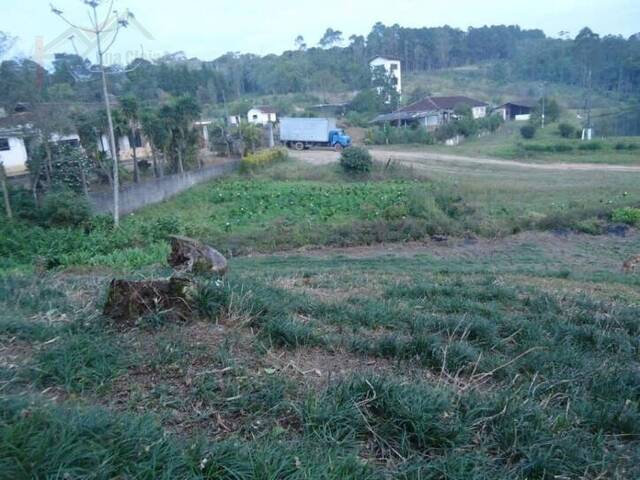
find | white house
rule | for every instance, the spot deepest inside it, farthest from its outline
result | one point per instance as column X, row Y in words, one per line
column 13, row 154
column 262, row 115
column 13, row 150
column 392, row 66
column 125, row 152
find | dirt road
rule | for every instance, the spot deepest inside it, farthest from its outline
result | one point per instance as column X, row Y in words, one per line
column 419, row 159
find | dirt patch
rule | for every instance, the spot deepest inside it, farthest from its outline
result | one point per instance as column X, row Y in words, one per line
column 422, row 159
column 561, row 245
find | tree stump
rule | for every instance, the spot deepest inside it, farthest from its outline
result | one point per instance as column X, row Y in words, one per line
column 191, row 256
column 128, row 301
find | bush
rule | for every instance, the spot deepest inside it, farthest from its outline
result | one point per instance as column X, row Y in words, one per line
column 528, row 132
column 262, row 159
column 356, row 160
column 566, row 130
column 590, row 146
column 64, row 208
column 628, row 215
column 625, row 146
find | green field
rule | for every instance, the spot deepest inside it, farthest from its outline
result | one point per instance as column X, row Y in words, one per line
column 547, row 147
column 508, row 350
column 292, row 205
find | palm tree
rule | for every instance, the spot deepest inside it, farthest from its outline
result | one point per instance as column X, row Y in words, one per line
column 131, row 112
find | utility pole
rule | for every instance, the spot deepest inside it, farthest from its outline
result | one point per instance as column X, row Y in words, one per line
column 544, row 93
column 589, row 127
column 98, row 28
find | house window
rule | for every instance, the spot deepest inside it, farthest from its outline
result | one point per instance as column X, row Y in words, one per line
column 255, row 117
column 394, row 67
column 72, row 142
column 4, row 145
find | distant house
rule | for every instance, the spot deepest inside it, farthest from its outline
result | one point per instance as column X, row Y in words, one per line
column 13, row 150
column 262, row 115
column 431, row 112
column 514, row 111
column 125, row 149
column 393, row 67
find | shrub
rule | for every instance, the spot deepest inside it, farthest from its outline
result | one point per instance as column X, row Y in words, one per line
column 528, row 132
column 263, row 158
column 625, row 146
column 590, row 146
column 356, row 160
column 628, row 215
column 64, row 208
column 566, row 130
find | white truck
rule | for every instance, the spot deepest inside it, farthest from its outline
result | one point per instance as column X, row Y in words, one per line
column 304, row 133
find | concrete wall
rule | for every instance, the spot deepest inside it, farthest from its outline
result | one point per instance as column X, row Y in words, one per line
column 133, row 197
column 14, row 159
column 258, row 117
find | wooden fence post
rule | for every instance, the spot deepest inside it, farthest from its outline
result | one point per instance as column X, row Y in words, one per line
column 5, row 190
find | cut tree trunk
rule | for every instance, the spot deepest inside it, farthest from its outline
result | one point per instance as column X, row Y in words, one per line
column 128, row 301
column 191, row 256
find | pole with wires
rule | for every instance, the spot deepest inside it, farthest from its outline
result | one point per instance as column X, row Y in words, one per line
column 112, row 23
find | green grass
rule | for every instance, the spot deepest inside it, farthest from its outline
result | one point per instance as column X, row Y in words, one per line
column 547, row 147
column 517, row 363
column 312, row 205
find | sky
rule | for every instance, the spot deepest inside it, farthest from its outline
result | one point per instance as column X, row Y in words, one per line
column 208, row 29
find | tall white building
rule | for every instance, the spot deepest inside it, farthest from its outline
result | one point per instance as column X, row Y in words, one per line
column 392, row 66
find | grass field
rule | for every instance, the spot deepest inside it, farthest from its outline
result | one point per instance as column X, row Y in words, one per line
column 485, row 356
column 293, row 204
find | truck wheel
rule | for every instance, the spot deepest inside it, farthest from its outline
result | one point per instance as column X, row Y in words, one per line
column 298, row 146
column 337, row 147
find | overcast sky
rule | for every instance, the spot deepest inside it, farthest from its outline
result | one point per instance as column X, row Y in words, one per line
column 207, row 29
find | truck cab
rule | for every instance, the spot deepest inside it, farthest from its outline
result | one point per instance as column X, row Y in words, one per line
column 338, row 139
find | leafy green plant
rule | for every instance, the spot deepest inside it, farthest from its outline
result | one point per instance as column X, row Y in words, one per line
column 566, row 130
column 528, row 132
column 628, row 215
column 64, row 208
column 356, row 160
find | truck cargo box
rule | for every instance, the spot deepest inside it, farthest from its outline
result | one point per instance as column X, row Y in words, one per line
column 314, row 130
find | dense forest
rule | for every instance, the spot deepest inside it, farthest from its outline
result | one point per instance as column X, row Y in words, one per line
column 609, row 63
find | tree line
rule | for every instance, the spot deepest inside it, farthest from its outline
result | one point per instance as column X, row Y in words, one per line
column 338, row 64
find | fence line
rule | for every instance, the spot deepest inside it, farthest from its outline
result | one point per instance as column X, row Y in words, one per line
column 136, row 196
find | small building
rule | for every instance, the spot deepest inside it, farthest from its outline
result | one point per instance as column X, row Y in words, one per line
column 392, row 66
column 15, row 129
column 125, row 149
column 432, row 112
column 262, row 115
column 514, row 111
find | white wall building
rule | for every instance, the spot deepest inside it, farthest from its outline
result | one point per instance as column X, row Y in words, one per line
column 13, row 154
column 125, row 152
column 392, row 66
column 262, row 115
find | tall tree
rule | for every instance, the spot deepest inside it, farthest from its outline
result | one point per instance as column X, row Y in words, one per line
column 131, row 111
column 331, row 38
column 159, row 134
